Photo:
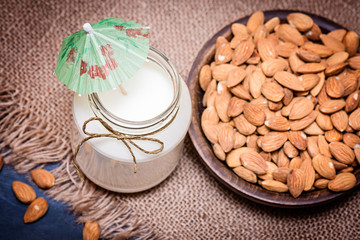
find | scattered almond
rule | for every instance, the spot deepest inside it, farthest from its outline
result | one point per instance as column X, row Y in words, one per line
column 36, row 210
column 42, row 178
column 24, row 192
column 91, row 231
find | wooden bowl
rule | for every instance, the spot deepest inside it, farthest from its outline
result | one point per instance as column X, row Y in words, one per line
column 219, row 169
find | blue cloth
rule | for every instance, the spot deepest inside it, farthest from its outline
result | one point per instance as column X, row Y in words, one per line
column 58, row 222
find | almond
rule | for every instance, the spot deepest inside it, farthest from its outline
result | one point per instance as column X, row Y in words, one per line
column 333, row 136
column 210, row 115
column 289, row 80
column 352, row 101
column 221, row 72
column 289, row 34
column 339, row 57
column 239, row 29
column 266, row 49
column 235, row 108
column 243, row 52
column 295, row 163
column 238, row 38
column 226, row 137
column 219, row 152
column 274, row 186
column 261, row 102
column 272, row 66
column 281, row 174
column 205, row 77
column 302, row 123
column 36, row 210
column 312, row 146
column 235, row 77
column 257, row 79
column 210, row 131
column 321, row 183
column 290, row 150
column 351, row 42
column 308, row 169
column 240, row 92
column 324, row 122
column 308, row 56
column 254, row 162
column 24, row 192
column 254, row 114
column 256, row 19
column 335, row 69
column 354, row 62
column 275, row 106
column 296, row 182
column 210, row 90
column 310, row 68
column 243, row 126
column 301, row 109
column 321, row 50
column 233, row 157
column 284, row 49
column 332, row 43
column 288, row 96
column 332, row 106
column 278, row 123
column 273, row 141
column 357, row 154
column 350, row 84
column 314, row 33
column 245, row 174
column 309, row 81
column 342, row 182
column 337, row 34
column 240, row 140
column 354, row 119
column 351, row 140
column 334, row 87
column 324, row 166
column 272, row 23
column 324, row 146
column 260, row 33
column 272, row 91
column 91, row 231
column 295, row 61
column 340, row 120
column 224, row 52
column 42, row 178
column 301, row 21
column 316, row 89
column 221, row 106
column 298, row 139
column 342, row 152
column 313, row 129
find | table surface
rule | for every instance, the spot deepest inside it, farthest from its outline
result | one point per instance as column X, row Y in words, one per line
column 191, row 203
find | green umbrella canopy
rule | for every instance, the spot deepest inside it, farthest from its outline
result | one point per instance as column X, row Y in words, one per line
column 102, row 55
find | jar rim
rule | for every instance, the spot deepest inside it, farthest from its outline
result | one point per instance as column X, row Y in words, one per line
column 161, row 60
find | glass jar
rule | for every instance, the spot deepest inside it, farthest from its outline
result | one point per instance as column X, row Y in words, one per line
column 107, row 161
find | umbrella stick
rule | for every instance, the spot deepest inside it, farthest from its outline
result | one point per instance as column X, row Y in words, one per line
column 122, row 89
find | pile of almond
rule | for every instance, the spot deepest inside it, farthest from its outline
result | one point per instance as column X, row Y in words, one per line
column 282, row 104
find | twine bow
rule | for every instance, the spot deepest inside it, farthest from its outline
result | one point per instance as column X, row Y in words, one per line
column 125, row 138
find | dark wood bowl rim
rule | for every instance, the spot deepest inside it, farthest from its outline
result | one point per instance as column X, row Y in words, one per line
column 219, row 169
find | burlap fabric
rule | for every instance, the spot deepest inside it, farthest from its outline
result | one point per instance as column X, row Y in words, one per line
column 190, row 204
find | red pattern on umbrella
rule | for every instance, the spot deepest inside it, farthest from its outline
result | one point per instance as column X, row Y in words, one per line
column 83, row 67
column 71, row 55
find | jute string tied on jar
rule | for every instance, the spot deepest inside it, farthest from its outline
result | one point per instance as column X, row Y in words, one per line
column 126, row 139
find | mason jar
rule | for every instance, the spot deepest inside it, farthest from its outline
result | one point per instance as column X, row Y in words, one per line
column 155, row 108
